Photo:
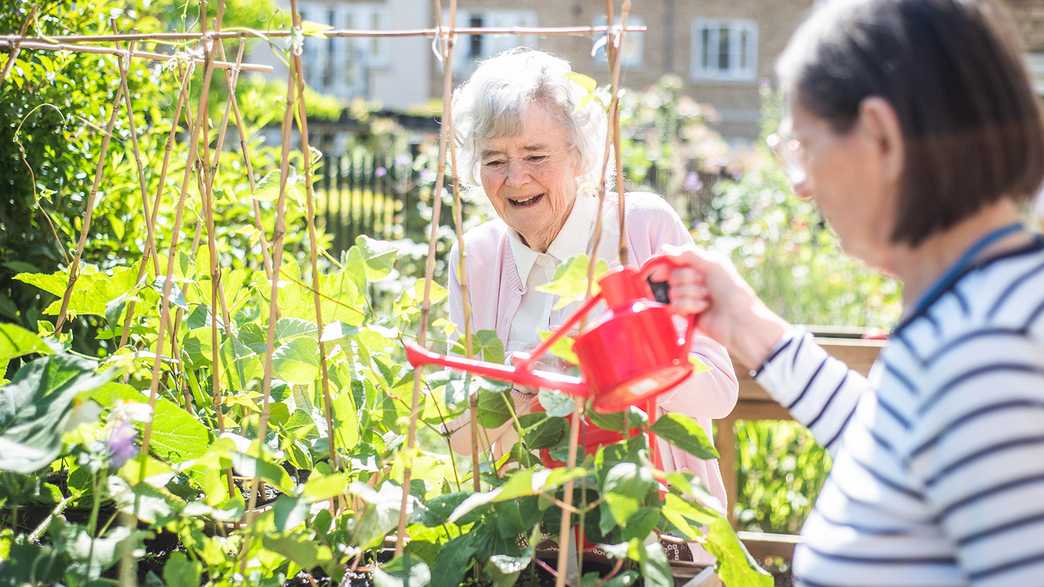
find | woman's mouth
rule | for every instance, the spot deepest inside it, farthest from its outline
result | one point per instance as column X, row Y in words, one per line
column 525, row 202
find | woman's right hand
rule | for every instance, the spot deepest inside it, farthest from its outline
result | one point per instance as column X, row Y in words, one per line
column 729, row 310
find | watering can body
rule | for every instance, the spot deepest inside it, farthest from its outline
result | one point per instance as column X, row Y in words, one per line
column 631, row 355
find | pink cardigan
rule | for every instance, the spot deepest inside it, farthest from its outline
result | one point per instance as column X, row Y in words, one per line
column 495, row 290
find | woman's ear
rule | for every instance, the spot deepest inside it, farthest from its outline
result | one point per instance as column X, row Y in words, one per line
column 880, row 124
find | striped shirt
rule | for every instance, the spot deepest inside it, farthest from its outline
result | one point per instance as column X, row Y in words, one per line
column 938, row 475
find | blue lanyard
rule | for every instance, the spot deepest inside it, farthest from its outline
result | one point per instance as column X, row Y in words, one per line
column 962, row 263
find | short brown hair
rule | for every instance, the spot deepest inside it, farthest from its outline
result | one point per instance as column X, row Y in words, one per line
column 953, row 72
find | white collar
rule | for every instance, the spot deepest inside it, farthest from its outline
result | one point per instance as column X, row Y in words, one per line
column 572, row 239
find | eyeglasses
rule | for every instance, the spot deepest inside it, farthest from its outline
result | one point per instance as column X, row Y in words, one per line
column 791, row 154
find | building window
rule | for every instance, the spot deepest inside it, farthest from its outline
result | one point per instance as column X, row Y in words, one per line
column 1035, row 65
column 340, row 66
column 469, row 50
column 475, row 41
column 724, row 50
column 633, row 44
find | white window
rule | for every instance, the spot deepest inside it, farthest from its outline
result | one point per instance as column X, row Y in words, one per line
column 470, row 49
column 339, row 66
column 633, row 43
column 1035, row 64
column 725, row 50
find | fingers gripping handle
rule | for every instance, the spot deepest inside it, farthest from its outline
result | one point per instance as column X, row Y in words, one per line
column 661, row 290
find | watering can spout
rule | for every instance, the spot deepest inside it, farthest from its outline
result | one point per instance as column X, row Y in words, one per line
column 419, row 356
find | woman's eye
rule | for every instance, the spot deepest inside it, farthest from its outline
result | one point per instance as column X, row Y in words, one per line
column 536, row 158
column 494, row 163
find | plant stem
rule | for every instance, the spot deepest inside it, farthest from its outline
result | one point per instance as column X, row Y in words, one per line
column 34, row 537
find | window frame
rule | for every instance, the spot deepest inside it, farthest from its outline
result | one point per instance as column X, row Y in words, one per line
column 736, row 72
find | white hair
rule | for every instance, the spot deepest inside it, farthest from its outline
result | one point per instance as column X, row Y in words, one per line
column 490, row 105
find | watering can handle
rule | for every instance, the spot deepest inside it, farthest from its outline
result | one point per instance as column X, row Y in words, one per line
column 665, row 261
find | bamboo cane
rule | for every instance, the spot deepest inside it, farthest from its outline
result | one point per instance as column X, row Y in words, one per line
column 613, row 131
column 429, row 270
column 331, row 33
column 168, row 282
column 277, row 259
column 88, row 212
column 147, row 55
column 313, row 255
column 150, row 233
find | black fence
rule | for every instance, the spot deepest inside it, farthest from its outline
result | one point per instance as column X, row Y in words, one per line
column 365, row 193
column 380, row 196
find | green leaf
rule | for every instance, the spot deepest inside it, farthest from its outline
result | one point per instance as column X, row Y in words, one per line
column 16, row 341
column 314, row 29
column 454, row 560
column 641, row 523
column 370, row 260
column 570, row 281
column 35, row 407
column 92, row 291
column 585, row 82
column 151, row 505
column 251, row 466
column 403, row 571
column 383, row 514
column 556, row 403
column 346, row 418
column 439, row 509
column 297, row 361
column 545, row 434
column 288, row 329
column 176, row 434
column 618, row 421
column 654, row 566
column 92, row 557
column 562, row 348
column 303, row 552
column 319, row 487
column 493, row 409
column 685, row 433
column 290, row 512
column 504, row 569
column 625, row 488
column 735, row 565
column 32, row 564
column 486, row 345
column 181, row 572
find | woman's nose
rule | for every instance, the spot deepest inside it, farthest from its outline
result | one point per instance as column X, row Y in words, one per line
column 803, row 188
column 517, row 174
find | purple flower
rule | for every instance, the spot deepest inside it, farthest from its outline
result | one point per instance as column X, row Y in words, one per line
column 121, row 443
column 381, row 172
column 692, row 182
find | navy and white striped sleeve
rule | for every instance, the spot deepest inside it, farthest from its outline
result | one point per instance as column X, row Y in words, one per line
column 979, row 456
column 818, row 390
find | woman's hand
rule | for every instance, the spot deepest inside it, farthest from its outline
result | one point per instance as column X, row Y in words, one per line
column 729, row 310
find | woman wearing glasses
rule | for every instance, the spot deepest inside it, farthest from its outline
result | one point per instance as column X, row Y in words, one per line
column 913, row 126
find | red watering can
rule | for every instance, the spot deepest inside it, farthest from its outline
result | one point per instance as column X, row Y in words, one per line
column 630, row 356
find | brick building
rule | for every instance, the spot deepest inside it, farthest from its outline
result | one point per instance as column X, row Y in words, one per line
column 722, row 49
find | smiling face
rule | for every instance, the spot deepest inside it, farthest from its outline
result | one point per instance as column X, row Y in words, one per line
column 530, row 177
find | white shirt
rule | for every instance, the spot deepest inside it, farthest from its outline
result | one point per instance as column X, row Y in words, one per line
column 535, row 313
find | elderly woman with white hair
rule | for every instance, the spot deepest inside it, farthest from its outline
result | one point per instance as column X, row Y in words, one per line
column 533, row 145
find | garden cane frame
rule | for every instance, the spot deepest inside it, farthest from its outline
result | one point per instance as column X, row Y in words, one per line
column 204, row 50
